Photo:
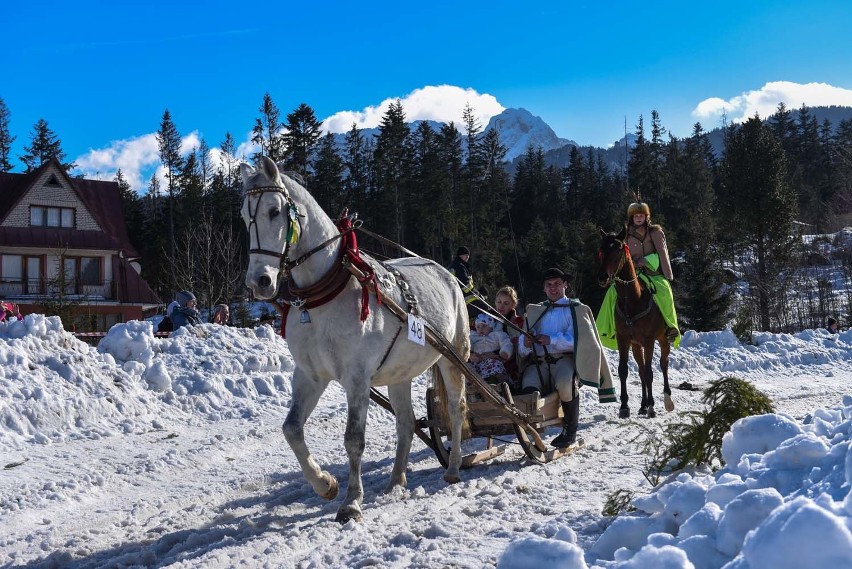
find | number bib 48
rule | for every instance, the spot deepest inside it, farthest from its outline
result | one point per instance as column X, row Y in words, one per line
column 416, row 331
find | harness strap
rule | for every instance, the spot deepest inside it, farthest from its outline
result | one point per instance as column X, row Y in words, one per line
column 631, row 319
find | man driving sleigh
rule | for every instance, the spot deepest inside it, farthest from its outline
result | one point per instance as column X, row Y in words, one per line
column 562, row 351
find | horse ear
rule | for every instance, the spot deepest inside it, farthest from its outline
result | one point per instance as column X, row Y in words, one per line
column 245, row 172
column 623, row 233
column 270, row 169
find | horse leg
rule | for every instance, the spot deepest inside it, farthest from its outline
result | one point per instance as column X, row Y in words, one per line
column 358, row 401
column 400, row 398
column 648, row 383
column 665, row 348
column 306, row 393
column 639, row 358
column 624, row 410
column 456, row 409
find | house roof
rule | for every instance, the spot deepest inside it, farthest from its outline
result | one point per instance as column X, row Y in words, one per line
column 102, row 199
column 55, row 238
column 130, row 286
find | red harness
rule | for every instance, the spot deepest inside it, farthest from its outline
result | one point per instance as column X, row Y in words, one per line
column 348, row 251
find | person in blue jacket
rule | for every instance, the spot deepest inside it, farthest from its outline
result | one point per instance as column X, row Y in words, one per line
column 185, row 313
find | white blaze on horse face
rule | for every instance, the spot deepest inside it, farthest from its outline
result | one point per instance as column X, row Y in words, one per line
column 268, row 233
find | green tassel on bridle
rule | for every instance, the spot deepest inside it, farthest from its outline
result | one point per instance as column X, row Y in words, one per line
column 294, row 228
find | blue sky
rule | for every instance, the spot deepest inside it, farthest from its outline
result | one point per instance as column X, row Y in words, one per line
column 102, row 73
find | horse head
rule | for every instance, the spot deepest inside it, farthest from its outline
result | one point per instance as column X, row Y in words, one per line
column 268, row 212
column 611, row 255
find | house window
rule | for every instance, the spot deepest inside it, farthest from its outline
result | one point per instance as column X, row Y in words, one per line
column 90, row 271
column 12, row 269
column 32, row 278
column 69, row 283
column 85, row 271
column 43, row 216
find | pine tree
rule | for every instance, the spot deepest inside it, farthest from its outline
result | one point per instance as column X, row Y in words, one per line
column 760, row 206
column 392, row 161
column 45, row 144
column 703, row 298
column 656, row 192
column 168, row 141
column 132, row 209
column 497, row 249
column 267, row 131
column 301, row 135
column 356, row 160
column 327, row 183
column 6, row 139
column 453, row 221
column 474, row 172
column 640, row 165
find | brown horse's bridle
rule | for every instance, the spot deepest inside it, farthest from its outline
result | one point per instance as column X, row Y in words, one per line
column 622, row 259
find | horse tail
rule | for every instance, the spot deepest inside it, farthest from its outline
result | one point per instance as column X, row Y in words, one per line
column 443, row 400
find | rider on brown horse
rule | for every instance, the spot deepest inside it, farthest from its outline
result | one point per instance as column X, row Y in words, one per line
column 647, row 244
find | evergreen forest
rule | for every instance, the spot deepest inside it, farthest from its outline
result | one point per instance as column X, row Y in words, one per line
column 733, row 219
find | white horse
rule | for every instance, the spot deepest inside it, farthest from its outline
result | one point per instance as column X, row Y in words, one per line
column 289, row 232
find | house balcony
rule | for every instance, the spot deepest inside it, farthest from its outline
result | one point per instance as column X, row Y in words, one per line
column 35, row 290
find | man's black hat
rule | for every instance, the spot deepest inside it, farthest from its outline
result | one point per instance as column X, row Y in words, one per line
column 462, row 251
column 555, row 272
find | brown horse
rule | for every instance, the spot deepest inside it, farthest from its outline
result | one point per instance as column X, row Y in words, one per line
column 638, row 322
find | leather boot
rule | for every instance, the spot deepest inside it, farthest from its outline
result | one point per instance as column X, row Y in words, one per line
column 568, row 436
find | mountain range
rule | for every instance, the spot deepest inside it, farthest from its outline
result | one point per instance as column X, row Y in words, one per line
column 519, row 130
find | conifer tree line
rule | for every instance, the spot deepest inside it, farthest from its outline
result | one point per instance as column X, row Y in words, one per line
column 732, row 218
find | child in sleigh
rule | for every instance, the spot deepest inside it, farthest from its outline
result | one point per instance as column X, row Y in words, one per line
column 489, row 348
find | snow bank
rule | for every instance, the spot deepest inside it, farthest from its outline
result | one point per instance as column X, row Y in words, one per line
column 785, row 487
column 54, row 387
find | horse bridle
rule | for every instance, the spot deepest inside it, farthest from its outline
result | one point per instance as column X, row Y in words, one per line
column 285, row 264
column 623, row 259
column 291, row 207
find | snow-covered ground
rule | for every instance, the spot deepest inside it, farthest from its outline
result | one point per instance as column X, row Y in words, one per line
column 149, row 452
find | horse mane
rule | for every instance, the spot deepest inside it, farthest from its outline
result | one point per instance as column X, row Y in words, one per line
column 296, row 177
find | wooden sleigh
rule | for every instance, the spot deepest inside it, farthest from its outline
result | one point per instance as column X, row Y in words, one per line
column 492, row 411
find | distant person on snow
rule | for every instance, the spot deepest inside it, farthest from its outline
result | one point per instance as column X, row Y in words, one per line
column 185, row 313
column 166, row 324
column 460, row 267
column 221, row 314
column 9, row 312
column 832, row 326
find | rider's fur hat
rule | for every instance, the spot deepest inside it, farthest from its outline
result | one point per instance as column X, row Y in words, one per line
column 638, row 207
column 555, row 272
column 462, row 251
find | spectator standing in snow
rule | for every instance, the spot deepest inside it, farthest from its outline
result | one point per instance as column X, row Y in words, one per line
column 185, row 313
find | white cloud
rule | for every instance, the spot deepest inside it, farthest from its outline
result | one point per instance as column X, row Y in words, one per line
column 764, row 101
column 138, row 158
column 443, row 103
column 132, row 156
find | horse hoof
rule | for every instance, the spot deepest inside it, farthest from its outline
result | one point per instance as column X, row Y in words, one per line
column 349, row 513
column 643, row 411
column 624, row 413
column 651, row 413
column 333, row 488
column 452, row 478
column 669, row 403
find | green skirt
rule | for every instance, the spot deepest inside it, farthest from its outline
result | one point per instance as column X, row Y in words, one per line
column 662, row 294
